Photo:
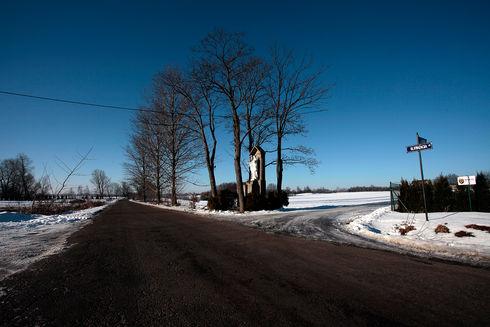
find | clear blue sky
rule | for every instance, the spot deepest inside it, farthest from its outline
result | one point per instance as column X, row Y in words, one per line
column 398, row 66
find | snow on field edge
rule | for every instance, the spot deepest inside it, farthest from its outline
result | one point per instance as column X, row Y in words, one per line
column 25, row 242
column 382, row 225
column 303, row 201
column 50, row 219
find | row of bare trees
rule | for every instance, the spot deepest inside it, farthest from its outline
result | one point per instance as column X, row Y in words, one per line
column 17, row 181
column 17, row 178
column 162, row 149
column 261, row 101
column 102, row 183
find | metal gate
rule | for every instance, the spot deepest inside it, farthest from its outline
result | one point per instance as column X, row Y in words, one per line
column 394, row 196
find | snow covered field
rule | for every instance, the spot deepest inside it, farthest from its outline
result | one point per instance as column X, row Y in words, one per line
column 312, row 200
column 382, row 225
column 25, row 238
column 303, row 201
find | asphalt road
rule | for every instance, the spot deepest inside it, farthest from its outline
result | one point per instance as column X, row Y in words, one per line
column 143, row 266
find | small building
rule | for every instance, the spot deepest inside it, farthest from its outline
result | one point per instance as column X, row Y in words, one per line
column 256, row 183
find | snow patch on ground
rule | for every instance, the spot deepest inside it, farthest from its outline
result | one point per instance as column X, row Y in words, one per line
column 10, row 220
column 25, row 239
column 382, row 225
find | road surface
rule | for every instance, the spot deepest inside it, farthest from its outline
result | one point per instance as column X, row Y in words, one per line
column 143, row 266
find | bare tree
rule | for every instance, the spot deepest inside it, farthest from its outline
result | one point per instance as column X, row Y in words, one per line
column 179, row 140
column 146, row 154
column 70, row 194
column 227, row 62
column 26, row 175
column 256, row 111
column 101, row 182
column 115, row 189
column 292, row 87
column 125, row 189
column 256, row 116
column 80, row 191
column 162, row 152
column 43, row 187
column 202, row 100
column 137, row 166
column 162, row 100
column 9, row 179
column 86, row 192
column 17, row 178
column 70, row 170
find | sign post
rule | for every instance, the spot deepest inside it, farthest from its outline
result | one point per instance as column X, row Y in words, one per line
column 467, row 180
column 422, row 144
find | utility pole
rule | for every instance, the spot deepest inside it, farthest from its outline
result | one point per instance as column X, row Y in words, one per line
column 423, row 181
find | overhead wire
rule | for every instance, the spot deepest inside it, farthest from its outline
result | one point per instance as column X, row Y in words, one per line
column 105, row 106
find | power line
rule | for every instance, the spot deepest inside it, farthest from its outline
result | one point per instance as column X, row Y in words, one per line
column 98, row 105
column 73, row 102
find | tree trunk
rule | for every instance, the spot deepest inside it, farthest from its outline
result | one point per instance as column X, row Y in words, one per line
column 212, row 182
column 238, row 168
column 174, row 189
column 279, row 164
column 210, row 164
column 212, row 178
column 159, row 187
column 250, row 143
column 145, row 181
column 173, row 196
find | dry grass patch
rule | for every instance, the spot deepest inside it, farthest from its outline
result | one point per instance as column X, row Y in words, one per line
column 404, row 230
column 441, row 229
column 48, row 208
column 462, row 233
column 479, row 227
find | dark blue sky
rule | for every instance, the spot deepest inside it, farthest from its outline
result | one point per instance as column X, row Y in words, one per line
column 398, row 67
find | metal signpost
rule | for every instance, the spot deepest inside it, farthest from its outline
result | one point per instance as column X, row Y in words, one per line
column 421, row 145
column 467, row 180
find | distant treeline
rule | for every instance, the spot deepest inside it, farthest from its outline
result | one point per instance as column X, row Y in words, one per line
column 442, row 195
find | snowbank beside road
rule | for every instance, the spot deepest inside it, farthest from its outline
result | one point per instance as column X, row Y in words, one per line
column 383, row 225
column 15, row 219
column 25, row 238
